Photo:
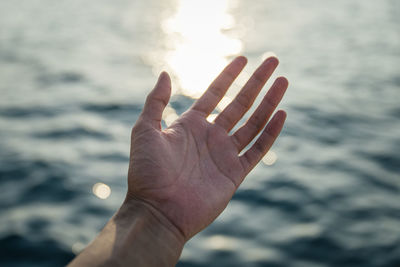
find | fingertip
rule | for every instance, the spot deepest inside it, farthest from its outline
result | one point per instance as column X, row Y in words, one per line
column 281, row 114
column 164, row 76
column 272, row 60
column 157, row 100
column 241, row 59
column 283, row 81
column 239, row 62
column 163, row 82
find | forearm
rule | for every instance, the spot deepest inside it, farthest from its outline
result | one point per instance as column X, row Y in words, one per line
column 137, row 235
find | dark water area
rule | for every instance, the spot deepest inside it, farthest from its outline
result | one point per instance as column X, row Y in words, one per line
column 73, row 79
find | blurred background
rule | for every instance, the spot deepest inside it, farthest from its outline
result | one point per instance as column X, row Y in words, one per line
column 73, row 79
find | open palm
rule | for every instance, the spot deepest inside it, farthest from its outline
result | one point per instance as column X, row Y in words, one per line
column 188, row 172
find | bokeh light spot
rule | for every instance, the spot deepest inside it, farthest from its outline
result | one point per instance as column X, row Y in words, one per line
column 78, row 247
column 270, row 158
column 101, row 190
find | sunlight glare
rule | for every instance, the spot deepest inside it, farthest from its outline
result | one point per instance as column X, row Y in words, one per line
column 212, row 117
column 199, row 45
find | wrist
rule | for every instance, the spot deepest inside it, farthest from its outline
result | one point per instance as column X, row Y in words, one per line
column 140, row 224
column 137, row 234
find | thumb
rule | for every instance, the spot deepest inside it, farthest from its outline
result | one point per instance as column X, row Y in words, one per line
column 157, row 100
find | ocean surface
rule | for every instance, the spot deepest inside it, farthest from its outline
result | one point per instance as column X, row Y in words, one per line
column 73, row 79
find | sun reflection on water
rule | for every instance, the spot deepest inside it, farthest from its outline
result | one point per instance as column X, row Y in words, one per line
column 169, row 115
column 270, row 158
column 101, row 190
column 220, row 242
column 198, row 44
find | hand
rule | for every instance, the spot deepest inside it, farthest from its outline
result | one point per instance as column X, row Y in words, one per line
column 187, row 173
column 181, row 178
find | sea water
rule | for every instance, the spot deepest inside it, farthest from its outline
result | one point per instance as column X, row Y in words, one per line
column 73, row 79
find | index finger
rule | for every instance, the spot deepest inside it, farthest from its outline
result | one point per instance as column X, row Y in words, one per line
column 209, row 100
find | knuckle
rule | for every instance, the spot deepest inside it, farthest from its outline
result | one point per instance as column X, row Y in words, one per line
column 258, row 146
column 235, row 140
column 217, row 91
column 256, row 121
column 155, row 99
column 230, row 76
column 227, row 121
column 243, row 100
column 259, row 77
column 162, row 101
column 138, row 125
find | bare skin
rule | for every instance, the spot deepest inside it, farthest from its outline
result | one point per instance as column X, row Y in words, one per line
column 181, row 178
